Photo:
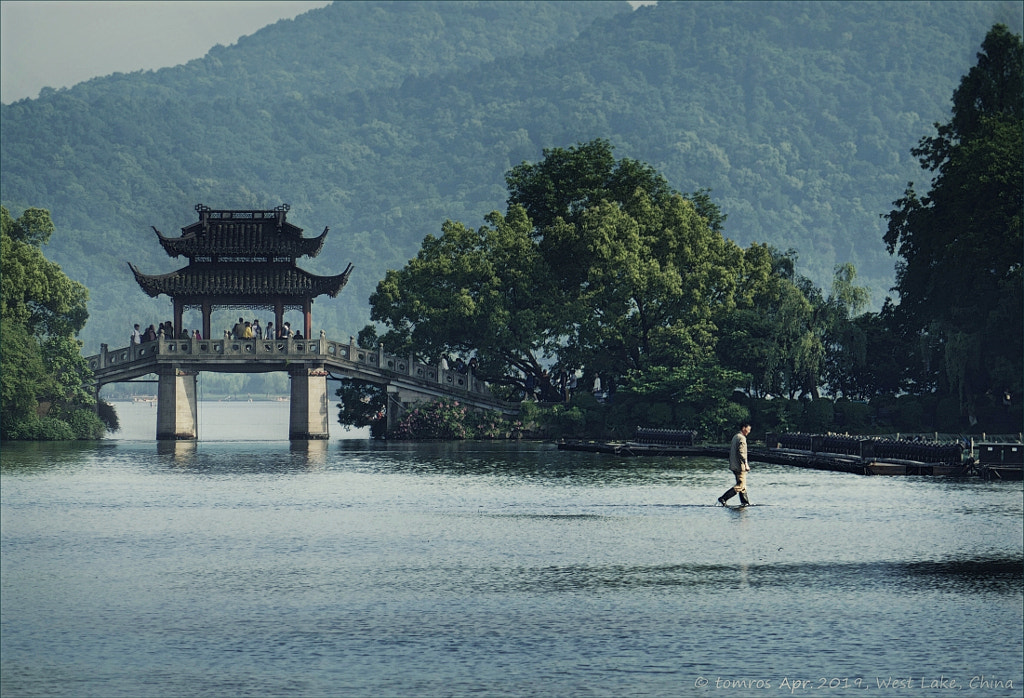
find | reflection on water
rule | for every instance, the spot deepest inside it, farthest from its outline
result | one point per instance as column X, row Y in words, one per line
column 959, row 576
column 196, row 457
column 183, row 452
column 352, row 568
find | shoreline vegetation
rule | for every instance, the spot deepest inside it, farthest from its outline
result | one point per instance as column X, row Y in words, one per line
column 554, row 421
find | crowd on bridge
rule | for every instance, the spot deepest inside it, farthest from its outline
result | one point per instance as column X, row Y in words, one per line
column 243, row 329
column 164, row 331
column 459, row 364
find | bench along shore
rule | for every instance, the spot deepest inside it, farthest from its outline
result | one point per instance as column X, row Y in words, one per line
column 835, row 452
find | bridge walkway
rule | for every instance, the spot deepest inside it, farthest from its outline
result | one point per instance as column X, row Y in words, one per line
column 309, row 363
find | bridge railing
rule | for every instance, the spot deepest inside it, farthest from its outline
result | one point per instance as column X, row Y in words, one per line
column 405, row 365
column 297, row 349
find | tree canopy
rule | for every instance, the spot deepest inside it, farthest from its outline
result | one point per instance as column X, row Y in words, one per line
column 960, row 246
column 618, row 277
column 41, row 312
column 616, row 272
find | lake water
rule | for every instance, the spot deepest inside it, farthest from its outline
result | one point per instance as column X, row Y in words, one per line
column 245, row 565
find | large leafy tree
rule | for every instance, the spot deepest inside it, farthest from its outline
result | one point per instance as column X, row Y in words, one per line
column 597, row 264
column 775, row 334
column 41, row 312
column 642, row 269
column 845, row 338
column 959, row 276
column 658, row 281
column 485, row 291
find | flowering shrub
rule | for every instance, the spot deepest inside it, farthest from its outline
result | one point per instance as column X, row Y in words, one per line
column 447, row 420
column 444, row 419
column 491, row 425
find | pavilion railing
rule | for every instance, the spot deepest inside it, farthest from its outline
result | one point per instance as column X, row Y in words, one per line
column 376, row 360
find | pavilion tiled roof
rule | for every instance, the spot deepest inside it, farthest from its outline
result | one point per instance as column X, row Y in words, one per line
column 255, row 281
column 242, row 257
column 263, row 237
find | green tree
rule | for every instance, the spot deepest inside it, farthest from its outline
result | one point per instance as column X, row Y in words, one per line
column 657, row 282
column 363, row 404
column 597, row 264
column 35, row 291
column 485, row 292
column 24, row 378
column 41, row 312
column 559, row 190
column 699, row 393
column 621, row 277
column 959, row 276
column 846, row 343
column 774, row 335
column 640, row 270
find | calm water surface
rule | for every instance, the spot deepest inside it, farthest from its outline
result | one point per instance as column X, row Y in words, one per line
column 244, row 565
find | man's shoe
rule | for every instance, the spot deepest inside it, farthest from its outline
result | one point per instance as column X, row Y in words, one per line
column 721, row 500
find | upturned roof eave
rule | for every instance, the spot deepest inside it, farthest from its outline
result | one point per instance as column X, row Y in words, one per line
column 189, row 245
column 173, row 284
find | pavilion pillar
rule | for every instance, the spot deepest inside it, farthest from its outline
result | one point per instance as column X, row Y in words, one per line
column 207, row 322
column 179, row 311
column 307, row 318
column 176, row 413
column 309, row 404
column 278, row 315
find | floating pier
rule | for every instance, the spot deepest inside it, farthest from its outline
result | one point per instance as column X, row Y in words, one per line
column 1001, row 461
column 801, row 459
column 847, row 454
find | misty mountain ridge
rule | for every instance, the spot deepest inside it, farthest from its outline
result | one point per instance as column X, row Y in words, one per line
column 383, row 119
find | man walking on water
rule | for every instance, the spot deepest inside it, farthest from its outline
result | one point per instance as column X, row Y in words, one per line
column 739, row 466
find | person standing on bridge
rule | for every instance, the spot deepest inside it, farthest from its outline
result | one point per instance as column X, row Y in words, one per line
column 136, row 335
column 739, row 466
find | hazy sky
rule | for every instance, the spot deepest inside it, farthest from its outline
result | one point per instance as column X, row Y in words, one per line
column 46, row 43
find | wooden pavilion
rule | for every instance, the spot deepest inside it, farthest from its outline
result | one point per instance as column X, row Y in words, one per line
column 242, row 259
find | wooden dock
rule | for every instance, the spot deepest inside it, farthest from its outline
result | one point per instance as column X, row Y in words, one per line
column 860, row 455
column 781, row 456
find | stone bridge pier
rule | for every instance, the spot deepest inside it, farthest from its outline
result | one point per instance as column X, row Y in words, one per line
column 176, row 415
column 310, row 407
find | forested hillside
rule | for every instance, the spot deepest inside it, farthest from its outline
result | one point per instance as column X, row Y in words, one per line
column 381, row 120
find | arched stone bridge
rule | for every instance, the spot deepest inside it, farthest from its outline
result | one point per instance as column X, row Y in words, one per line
column 308, row 362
